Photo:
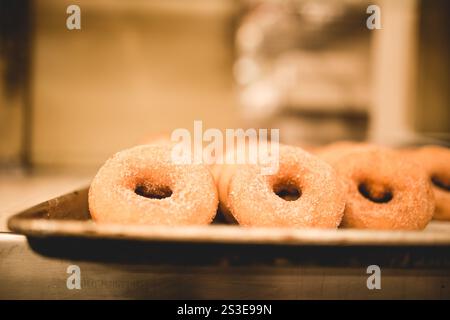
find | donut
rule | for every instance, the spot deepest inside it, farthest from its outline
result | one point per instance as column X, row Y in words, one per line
column 165, row 139
column 142, row 185
column 334, row 151
column 222, row 174
column 436, row 162
column 384, row 191
column 225, row 171
column 304, row 192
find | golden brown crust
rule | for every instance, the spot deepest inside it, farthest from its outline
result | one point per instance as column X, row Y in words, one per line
column 436, row 162
column 384, row 191
column 113, row 196
column 223, row 173
column 253, row 202
column 334, row 151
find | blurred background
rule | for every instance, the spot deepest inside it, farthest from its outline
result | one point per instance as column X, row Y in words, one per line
column 71, row 98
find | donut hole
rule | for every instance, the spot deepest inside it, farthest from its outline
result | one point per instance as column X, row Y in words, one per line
column 153, row 192
column 375, row 192
column 441, row 182
column 287, row 191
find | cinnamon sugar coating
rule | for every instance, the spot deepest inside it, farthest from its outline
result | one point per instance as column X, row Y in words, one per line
column 385, row 190
column 436, row 162
column 180, row 194
column 252, row 198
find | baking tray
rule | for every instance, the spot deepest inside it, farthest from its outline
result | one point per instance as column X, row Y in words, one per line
column 222, row 261
column 68, row 216
column 62, row 228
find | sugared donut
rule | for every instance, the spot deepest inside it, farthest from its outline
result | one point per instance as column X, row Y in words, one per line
column 142, row 185
column 223, row 181
column 384, row 191
column 334, row 151
column 224, row 172
column 436, row 162
column 305, row 192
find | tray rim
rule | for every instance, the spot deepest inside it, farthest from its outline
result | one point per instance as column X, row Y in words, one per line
column 219, row 234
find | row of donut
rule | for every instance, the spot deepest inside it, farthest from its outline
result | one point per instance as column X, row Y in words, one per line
column 344, row 184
